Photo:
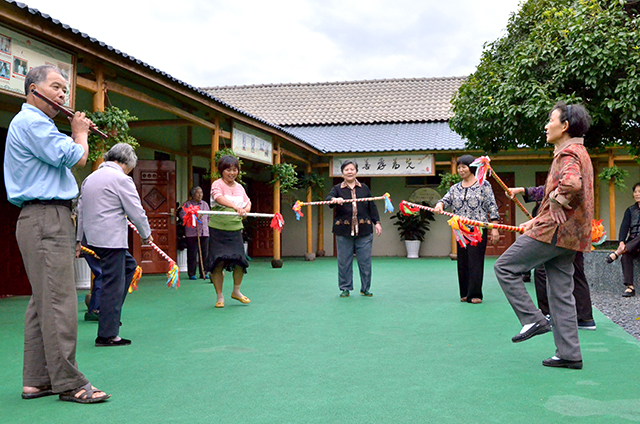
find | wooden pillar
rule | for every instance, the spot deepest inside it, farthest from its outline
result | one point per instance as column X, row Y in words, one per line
column 276, row 262
column 454, row 244
column 309, row 256
column 612, row 202
column 215, row 144
column 596, row 189
column 98, row 102
column 320, row 251
column 189, row 157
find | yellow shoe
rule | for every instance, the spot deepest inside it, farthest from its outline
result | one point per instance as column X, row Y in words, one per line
column 241, row 299
column 220, row 304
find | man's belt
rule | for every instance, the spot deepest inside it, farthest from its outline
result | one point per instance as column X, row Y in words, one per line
column 57, row 202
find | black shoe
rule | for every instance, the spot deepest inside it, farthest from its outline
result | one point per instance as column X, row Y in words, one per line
column 109, row 341
column 562, row 363
column 629, row 292
column 587, row 325
column 610, row 259
column 344, row 293
column 526, row 278
column 536, row 329
column 366, row 293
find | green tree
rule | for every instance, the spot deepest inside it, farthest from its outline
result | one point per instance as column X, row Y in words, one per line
column 585, row 51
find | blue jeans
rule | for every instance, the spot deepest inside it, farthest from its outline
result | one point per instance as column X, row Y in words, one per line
column 346, row 247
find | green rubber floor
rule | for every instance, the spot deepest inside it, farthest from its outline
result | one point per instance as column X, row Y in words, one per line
column 300, row 354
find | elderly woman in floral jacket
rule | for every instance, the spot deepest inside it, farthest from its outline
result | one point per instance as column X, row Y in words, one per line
column 561, row 228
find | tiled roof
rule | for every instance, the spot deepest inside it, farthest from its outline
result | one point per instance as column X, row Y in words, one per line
column 352, row 102
column 422, row 136
column 132, row 59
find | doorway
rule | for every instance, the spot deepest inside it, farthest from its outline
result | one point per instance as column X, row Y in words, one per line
column 156, row 184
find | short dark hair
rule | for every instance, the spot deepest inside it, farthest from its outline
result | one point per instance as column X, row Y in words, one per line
column 635, row 186
column 348, row 162
column 465, row 160
column 577, row 117
column 37, row 75
column 226, row 162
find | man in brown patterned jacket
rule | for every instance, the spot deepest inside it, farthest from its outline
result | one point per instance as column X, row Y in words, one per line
column 561, row 228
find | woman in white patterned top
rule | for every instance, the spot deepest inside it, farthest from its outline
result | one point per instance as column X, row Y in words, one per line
column 473, row 201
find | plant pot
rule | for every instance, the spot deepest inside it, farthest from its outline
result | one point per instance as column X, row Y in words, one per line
column 83, row 274
column 182, row 260
column 413, row 248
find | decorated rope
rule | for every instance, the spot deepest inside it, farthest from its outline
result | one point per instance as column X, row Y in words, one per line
column 89, row 252
column 388, row 206
column 412, row 208
column 277, row 221
column 484, row 169
column 173, row 274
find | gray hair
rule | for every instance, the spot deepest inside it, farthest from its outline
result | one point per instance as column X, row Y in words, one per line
column 122, row 153
column 37, row 75
column 192, row 192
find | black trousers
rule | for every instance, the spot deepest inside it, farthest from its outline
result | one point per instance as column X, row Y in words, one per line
column 193, row 254
column 471, row 269
column 633, row 251
column 118, row 267
column 581, row 291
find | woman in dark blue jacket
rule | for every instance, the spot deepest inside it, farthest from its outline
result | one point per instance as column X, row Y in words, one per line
column 353, row 227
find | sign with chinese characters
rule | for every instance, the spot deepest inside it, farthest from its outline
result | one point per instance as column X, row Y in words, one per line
column 400, row 165
column 252, row 144
column 20, row 53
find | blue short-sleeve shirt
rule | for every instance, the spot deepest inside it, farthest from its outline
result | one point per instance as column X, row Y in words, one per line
column 38, row 159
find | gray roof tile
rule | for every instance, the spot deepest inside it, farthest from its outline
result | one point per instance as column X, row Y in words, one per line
column 351, row 102
column 399, row 137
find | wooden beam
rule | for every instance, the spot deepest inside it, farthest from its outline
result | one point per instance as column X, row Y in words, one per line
column 159, row 123
column 155, row 146
column 294, row 156
column 158, row 104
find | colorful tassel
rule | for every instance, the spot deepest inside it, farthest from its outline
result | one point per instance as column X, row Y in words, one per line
column 277, row 222
column 136, row 278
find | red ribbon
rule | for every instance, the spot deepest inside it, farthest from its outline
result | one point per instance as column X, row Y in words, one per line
column 190, row 212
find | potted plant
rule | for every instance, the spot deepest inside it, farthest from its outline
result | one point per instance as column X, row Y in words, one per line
column 286, row 174
column 615, row 174
column 413, row 229
column 115, row 122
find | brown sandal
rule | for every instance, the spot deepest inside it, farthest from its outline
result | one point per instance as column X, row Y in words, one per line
column 83, row 394
column 44, row 391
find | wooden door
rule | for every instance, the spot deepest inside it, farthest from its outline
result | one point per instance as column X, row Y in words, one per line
column 261, row 196
column 156, row 184
column 14, row 281
column 507, row 210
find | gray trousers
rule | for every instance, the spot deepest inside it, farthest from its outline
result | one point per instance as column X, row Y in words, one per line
column 525, row 254
column 46, row 237
column 346, row 247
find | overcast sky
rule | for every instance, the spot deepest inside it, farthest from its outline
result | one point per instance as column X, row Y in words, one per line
column 241, row 42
